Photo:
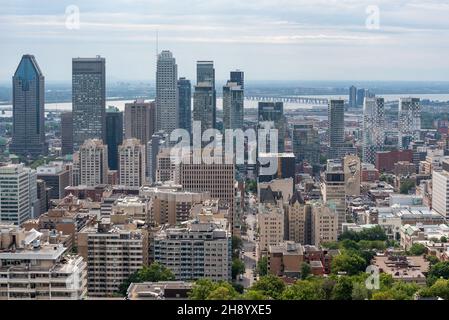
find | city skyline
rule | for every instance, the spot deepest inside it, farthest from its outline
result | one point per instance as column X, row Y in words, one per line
column 315, row 40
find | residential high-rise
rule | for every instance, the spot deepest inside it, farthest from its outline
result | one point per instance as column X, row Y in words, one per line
column 306, row 143
column 352, row 170
column 233, row 111
column 140, row 120
column 336, row 125
column 185, row 104
column 28, row 136
column 270, row 222
column 33, row 267
column 114, row 249
column 93, row 163
column 353, row 97
column 167, row 115
column 88, row 99
column 153, row 147
column 203, row 105
column 238, row 77
column 66, row 133
column 298, row 220
column 132, row 163
column 325, row 226
column 114, row 135
column 18, row 193
column 409, row 121
column 273, row 112
column 373, row 128
column 165, row 166
column 440, row 192
column 195, row 251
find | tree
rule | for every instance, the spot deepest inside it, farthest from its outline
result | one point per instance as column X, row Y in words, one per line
column 406, row 186
column 443, row 239
column 306, row 270
column 223, row 292
column 432, row 259
column 238, row 267
column 437, row 271
column 342, row 289
column 262, row 266
column 439, row 289
column 251, row 186
column 237, row 245
column 383, row 295
column 154, row 273
column 254, row 295
column 351, row 264
column 206, row 289
column 417, row 249
column 270, row 286
column 201, row 289
column 304, row 290
column 359, row 291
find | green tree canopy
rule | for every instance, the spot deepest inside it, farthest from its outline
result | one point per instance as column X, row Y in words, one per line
column 270, row 286
column 417, row 249
column 437, row 271
column 262, row 266
column 304, row 290
column 350, row 263
column 238, row 267
column 306, row 270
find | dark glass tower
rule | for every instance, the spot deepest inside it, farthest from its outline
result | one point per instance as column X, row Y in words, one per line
column 114, row 135
column 185, row 104
column 238, row 77
column 273, row 112
column 28, row 109
column 88, row 99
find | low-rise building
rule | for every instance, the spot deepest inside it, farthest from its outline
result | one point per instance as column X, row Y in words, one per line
column 163, row 290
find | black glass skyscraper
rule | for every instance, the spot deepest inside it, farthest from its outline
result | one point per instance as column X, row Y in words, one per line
column 238, row 77
column 114, row 135
column 185, row 104
column 28, row 109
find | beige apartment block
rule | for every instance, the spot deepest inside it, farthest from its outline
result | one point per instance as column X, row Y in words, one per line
column 270, row 221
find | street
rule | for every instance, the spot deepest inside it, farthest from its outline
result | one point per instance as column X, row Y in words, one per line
column 250, row 245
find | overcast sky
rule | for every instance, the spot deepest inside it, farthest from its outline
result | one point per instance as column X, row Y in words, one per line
column 268, row 39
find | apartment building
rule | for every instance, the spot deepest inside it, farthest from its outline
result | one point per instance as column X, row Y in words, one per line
column 36, row 267
column 299, row 220
column 194, row 251
column 132, row 163
column 324, row 222
column 93, row 163
column 271, row 226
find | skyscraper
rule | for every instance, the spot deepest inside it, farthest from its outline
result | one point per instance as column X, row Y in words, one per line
column 353, row 97
column 185, row 104
column 205, row 77
column 409, row 121
column 93, row 163
column 66, row 133
column 238, row 77
column 203, row 105
column 132, row 163
column 336, row 124
column 88, row 99
column 114, row 135
column 373, row 128
column 167, row 116
column 140, row 120
column 306, row 143
column 360, row 97
column 233, row 106
column 28, row 138
column 273, row 112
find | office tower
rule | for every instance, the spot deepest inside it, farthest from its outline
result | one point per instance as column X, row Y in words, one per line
column 233, row 111
column 238, row 77
column 93, row 163
column 306, row 143
column 270, row 221
column 42, row 197
column 114, row 135
column 201, row 250
column 33, row 267
column 353, row 97
column 325, row 227
column 285, row 166
column 66, row 133
column 167, row 115
column 56, row 177
column 203, row 105
column 273, row 112
column 440, row 192
column 18, row 193
column 360, row 97
column 352, row 170
column 409, row 121
column 131, row 163
column 114, row 249
column 336, row 125
column 185, row 104
column 28, row 136
column 299, row 221
column 373, row 128
column 205, row 72
column 171, row 204
column 333, row 189
column 153, row 147
column 88, row 99
column 217, row 179
column 140, row 120
column 165, row 166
